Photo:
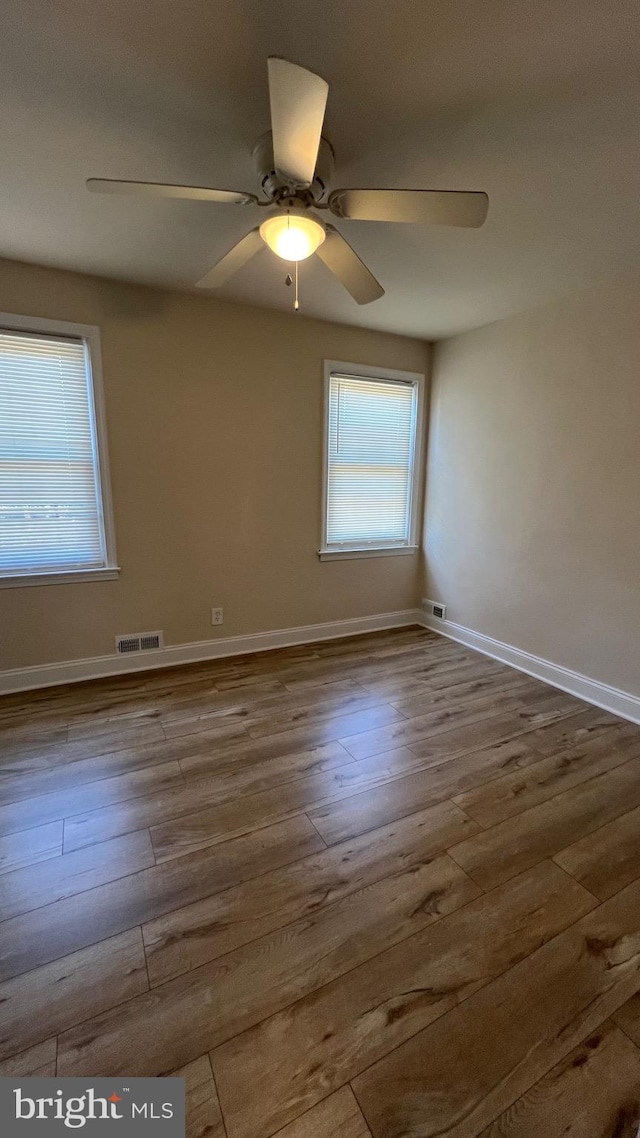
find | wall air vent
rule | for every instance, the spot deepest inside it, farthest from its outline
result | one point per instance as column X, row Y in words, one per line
column 435, row 608
column 138, row 642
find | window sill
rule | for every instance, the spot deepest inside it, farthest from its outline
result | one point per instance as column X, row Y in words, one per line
column 368, row 551
column 70, row 577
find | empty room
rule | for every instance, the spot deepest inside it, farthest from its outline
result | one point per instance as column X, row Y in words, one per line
column 320, row 569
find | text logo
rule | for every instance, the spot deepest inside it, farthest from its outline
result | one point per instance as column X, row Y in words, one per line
column 135, row 1108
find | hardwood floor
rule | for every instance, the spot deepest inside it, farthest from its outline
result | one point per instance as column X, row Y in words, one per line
column 381, row 887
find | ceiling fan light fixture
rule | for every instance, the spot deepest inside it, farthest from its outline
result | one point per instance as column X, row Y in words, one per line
column 293, row 235
column 294, row 163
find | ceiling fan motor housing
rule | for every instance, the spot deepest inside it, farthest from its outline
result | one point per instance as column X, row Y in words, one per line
column 276, row 187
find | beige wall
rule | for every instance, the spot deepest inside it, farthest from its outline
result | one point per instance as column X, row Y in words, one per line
column 214, row 418
column 533, row 479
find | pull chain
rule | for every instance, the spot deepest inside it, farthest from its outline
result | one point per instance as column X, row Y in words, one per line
column 289, row 280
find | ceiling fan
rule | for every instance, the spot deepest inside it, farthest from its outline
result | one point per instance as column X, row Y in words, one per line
column 294, row 164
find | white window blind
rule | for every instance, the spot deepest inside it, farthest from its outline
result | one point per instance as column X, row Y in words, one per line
column 51, row 517
column 370, row 455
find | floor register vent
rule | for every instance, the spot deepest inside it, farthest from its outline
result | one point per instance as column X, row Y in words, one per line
column 138, row 642
column 434, row 608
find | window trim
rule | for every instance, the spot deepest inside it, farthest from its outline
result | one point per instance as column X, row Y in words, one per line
column 90, row 336
column 347, row 551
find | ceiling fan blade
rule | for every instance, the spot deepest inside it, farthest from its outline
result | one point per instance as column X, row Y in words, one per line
column 346, row 265
column 417, row 207
column 243, row 251
column 298, row 99
column 162, row 190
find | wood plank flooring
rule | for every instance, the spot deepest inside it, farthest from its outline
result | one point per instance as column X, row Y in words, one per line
column 379, row 887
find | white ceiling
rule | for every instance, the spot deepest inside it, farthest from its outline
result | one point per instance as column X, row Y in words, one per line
column 535, row 101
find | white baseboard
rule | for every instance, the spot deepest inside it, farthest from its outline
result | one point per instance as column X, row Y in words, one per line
column 73, row 671
column 610, row 699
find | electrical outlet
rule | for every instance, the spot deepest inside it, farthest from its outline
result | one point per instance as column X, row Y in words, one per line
column 217, row 616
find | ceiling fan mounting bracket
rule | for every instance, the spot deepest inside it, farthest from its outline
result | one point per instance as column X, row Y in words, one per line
column 277, row 188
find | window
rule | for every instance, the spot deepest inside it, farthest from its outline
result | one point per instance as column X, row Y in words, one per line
column 372, row 461
column 55, row 516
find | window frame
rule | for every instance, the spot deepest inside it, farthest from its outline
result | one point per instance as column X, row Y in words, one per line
column 350, row 550
column 90, row 336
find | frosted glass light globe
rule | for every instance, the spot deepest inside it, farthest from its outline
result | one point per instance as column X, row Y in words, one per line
column 292, row 236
